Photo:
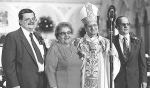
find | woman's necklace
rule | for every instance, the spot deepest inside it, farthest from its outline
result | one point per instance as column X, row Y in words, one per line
column 70, row 53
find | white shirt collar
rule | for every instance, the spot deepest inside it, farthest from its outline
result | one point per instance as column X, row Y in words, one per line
column 91, row 39
column 127, row 36
column 26, row 33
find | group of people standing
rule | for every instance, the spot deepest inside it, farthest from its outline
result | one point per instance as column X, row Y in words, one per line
column 73, row 63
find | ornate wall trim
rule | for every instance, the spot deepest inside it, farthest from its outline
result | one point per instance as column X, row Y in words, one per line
column 56, row 1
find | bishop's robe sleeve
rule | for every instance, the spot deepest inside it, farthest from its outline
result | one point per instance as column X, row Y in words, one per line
column 116, row 62
column 50, row 65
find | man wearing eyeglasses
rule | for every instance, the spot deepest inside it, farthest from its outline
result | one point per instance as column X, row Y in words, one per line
column 133, row 71
column 23, row 54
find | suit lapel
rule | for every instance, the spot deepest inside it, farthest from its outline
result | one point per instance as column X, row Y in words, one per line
column 133, row 48
column 26, row 44
column 121, row 56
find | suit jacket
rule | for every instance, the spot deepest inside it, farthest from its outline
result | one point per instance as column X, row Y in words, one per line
column 133, row 71
column 18, row 61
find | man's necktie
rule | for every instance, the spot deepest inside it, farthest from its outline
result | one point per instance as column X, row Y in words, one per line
column 126, row 48
column 36, row 49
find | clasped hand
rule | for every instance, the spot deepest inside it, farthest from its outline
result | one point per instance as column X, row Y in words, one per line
column 111, row 52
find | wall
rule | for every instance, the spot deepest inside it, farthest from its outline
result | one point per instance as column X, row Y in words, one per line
column 68, row 11
column 58, row 10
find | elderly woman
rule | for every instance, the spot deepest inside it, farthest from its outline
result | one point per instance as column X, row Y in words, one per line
column 62, row 61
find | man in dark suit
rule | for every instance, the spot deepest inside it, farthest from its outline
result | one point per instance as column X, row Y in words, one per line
column 133, row 71
column 23, row 54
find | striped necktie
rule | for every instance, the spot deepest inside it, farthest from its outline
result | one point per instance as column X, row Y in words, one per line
column 36, row 49
column 126, row 48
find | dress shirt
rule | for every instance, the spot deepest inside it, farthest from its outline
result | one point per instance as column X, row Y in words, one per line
column 121, row 41
column 26, row 33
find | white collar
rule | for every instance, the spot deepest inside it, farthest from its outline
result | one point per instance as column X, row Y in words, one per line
column 25, row 31
column 127, row 36
column 93, row 39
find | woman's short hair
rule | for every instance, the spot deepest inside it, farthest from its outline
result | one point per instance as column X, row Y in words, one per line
column 60, row 26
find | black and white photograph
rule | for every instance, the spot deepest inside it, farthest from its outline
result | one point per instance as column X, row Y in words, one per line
column 74, row 43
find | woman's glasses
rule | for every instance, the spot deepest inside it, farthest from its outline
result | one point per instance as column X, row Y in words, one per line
column 65, row 33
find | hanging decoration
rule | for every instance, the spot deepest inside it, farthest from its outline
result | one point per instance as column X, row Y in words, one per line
column 45, row 24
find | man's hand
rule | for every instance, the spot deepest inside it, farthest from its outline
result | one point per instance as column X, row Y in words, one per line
column 111, row 52
column 144, row 85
